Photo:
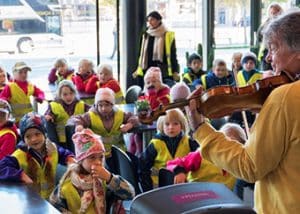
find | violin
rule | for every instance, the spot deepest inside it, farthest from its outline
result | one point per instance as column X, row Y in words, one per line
column 220, row 101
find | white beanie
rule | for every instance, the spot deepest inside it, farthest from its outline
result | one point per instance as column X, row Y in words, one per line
column 105, row 94
column 153, row 72
column 179, row 91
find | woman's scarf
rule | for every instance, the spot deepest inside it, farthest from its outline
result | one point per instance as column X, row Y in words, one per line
column 158, row 46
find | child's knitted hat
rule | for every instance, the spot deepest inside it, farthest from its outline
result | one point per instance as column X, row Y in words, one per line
column 153, row 72
column 179, row 91
column 32, row 120
column 105, row 94
column 67, row 83
column 87, row 143
column 249, row 56
column 5, row 106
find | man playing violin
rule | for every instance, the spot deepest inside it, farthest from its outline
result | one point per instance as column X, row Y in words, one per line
column 270, row 157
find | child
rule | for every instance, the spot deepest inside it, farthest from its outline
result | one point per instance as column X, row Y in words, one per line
column 170, row 142
column 236, row 62
column 218, row 76
column 60, row 72
column 105, row 79
column 3, row 79
column 193, row 168
column 249, row 74
column 106, row 120
column 84, row 75
column 155, row 91
column 8, row 131
column 83, row 187
column 18, row 92
column 63, row 107
column 35, row 161
column 194, row 70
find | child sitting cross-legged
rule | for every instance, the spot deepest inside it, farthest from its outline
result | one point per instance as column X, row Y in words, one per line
column 84, row 186
column 106, row 119
column 65, row 105
column 105, row 79
column 35, row 161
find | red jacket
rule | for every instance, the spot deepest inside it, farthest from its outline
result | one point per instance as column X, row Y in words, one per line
column 156, row 98
column 94, row 84
column 8, row 141
column 81, row 83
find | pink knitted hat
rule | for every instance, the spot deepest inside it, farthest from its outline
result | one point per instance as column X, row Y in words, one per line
column 87, row 143
column 179, row 91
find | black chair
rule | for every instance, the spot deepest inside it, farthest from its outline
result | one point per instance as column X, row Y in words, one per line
column 165, row 177
column 125, row 167
column 51, row 132
column 132, row 93
column 190, row 198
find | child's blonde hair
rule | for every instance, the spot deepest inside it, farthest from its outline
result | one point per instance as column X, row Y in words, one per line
column 219, row 62
column 105, row 66
column 66, row 83
column 60, row 63
column 237, row 55
column 172, row 115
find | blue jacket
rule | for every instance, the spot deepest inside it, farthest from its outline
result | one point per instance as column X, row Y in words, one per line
column 211, row 80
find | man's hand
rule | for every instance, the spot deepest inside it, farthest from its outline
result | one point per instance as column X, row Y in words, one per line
column 176, row 76
column 134, row 75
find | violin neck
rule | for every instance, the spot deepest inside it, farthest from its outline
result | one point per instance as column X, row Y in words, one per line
column 177, row 104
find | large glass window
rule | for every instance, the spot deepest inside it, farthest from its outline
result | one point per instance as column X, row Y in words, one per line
column 38, row 32
column 232, row 28
column 184, row 17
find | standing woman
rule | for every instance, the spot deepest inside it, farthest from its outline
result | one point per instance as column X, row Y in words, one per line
column 158, row 49
column 270, row 157
column 274, row 10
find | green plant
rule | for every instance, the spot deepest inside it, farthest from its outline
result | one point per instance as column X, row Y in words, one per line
column 142, row 105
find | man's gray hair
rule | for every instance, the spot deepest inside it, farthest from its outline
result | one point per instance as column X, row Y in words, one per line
column 285, row 29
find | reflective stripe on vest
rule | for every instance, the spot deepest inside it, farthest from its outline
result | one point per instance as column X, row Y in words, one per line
column 163, row 154
column 188, row 77
column 61, row 117
column 61, row 78
column 169, row 38
column 19, row 101
column 242, row 82
column 42, row 184
column 114, row 136
column 203, row 80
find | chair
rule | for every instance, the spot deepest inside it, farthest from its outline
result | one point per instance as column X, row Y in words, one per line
column 196, row 197
column 125, row 167
column 51, row 131
column 132, row 93
column 165, row 177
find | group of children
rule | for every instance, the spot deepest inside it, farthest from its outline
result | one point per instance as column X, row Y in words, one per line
column 83, row 187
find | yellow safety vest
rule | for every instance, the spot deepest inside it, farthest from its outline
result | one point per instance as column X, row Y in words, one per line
column 208, row 172
column 19, row 101
column 163, row 154
column 61, row 117
column 73, row 200
column 45, row 188
column 61, row 78
column 242, row 82
column 188, row 77
column 203, row 80
column 169, row 38
column 112, row 137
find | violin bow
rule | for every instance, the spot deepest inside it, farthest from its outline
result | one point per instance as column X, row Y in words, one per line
column 242, row 112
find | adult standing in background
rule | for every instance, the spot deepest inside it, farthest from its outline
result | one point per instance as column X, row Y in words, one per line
column 274, row 10
column 270, row 157
column 158, row 49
